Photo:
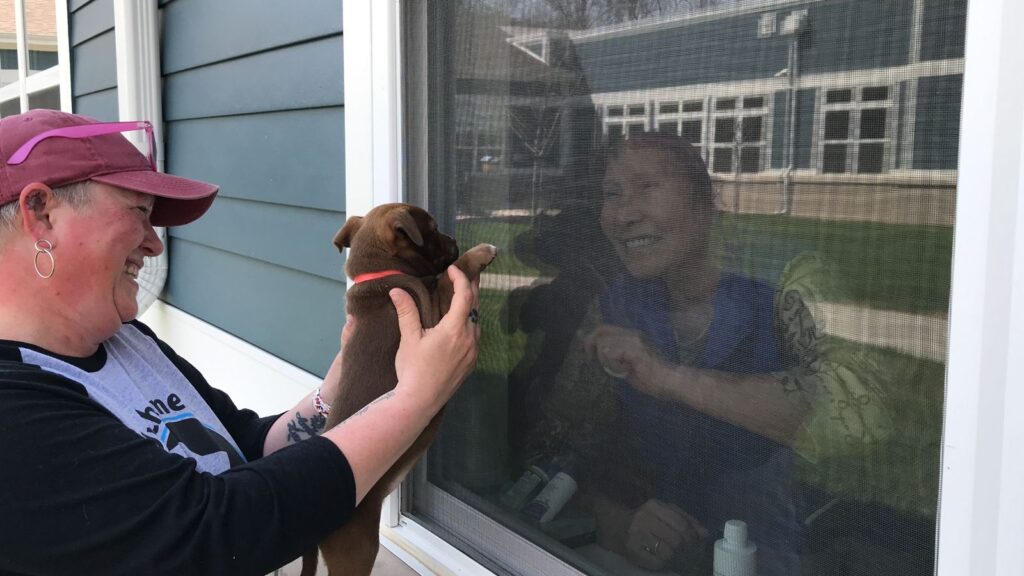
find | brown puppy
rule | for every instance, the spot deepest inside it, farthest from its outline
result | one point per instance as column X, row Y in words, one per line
column 394, row 246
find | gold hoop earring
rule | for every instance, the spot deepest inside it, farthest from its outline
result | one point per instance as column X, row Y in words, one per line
column 44, row 247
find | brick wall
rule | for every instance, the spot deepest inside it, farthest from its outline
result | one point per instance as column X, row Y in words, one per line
column 40, row 17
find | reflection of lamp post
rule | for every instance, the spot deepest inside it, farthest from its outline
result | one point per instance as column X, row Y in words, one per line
column 737, row 131
column 792, row 25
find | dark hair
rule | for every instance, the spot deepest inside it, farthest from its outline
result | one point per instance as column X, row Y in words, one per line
column 687, row 156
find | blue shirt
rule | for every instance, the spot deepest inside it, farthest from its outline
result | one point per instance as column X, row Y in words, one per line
column 712, row 469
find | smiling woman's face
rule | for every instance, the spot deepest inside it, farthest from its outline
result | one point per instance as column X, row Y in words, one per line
column 101, row 249
column 649, row 215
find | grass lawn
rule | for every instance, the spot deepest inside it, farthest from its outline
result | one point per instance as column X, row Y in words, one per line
column 887, row 266
column 501, row 232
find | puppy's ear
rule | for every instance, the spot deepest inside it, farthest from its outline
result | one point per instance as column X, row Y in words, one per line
column 402, row 221
column 343, row 239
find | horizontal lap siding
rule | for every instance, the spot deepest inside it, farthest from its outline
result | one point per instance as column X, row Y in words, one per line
column 253, row 101
column 937, row 124
column 259, row 302
column 93, row 58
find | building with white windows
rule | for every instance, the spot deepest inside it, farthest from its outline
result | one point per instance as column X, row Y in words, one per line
column 886, row 134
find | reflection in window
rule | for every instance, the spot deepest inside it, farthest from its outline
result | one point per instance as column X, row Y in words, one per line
column 40, row 49
column 856, row 133
column 41, row 29
column 696, row 313
column 742, row 131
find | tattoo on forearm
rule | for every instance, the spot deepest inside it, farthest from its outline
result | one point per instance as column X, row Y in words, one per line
column 301, row 428
column 383, row 397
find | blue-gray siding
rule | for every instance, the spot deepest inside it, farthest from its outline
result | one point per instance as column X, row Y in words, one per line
column 805, row 105
column 93, row 58
column 943, row 30
column 937, row 122
column 843, row 35
column 779, row 133
column 294, row 315
column 253, row 101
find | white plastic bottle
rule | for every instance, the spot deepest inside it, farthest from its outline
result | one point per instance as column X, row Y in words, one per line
column 552, row 498
column 734, row 555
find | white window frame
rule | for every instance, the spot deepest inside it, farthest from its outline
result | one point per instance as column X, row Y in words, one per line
column 626, row 120
column 764, row 112
column 981, row 507
column 855, row 107
column 58, row 76
column 680, row 116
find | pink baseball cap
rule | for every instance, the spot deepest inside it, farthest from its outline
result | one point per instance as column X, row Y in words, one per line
column 63, row 154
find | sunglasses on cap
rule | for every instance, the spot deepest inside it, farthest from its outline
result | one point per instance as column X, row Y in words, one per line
column 88, row 131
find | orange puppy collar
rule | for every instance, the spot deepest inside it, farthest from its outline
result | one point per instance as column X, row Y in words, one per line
column 375, row 275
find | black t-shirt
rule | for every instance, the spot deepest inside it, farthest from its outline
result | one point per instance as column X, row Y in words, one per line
column 129, row 462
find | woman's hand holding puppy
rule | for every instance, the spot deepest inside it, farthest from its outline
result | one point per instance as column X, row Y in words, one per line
column 430, row 364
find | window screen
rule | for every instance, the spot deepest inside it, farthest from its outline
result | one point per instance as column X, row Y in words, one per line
column 721, row 294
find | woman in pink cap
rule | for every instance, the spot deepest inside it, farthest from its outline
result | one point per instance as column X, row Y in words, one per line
column 117, row 456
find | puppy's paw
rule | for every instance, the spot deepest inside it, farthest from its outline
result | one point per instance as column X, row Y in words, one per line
column 489, row 251
column 476, row 259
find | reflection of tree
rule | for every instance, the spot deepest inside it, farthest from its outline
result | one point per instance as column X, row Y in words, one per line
column 582, row 14
column 535, row 126
column 586, row 13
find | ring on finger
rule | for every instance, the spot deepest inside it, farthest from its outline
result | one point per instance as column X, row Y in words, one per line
column 474, row 315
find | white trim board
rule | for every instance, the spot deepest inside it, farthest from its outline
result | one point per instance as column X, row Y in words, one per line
column 37, row 82
column 767, row 86
column 982, row 484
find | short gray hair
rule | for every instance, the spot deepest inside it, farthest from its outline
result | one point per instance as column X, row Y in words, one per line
column 77, row 195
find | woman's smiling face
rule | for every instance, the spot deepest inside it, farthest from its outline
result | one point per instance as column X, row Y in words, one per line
column 100, row 252
column 649, row 213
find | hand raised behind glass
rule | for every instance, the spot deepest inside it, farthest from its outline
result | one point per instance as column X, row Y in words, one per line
column 624, row 353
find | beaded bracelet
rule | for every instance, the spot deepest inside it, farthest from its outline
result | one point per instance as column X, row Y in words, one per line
column 320, row 405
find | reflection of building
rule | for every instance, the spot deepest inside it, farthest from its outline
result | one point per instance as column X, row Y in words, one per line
column 517, row 107
column 279, row 148
column 793, row 99
column 41, row 25
column 41, row 43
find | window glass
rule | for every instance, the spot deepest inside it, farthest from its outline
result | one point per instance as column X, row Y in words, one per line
column 693, row 106
column 692, row 131
column 837, row 125
column 41, row 28
column 725, row 104
column 10, row 107
column 49, row 99
column 832, row 96
column 725, row 235
column 875, row 93
column 8, row 45
column 41, row 46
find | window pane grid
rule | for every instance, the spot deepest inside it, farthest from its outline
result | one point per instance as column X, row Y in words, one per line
column 860, row 127
column 600, row 243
